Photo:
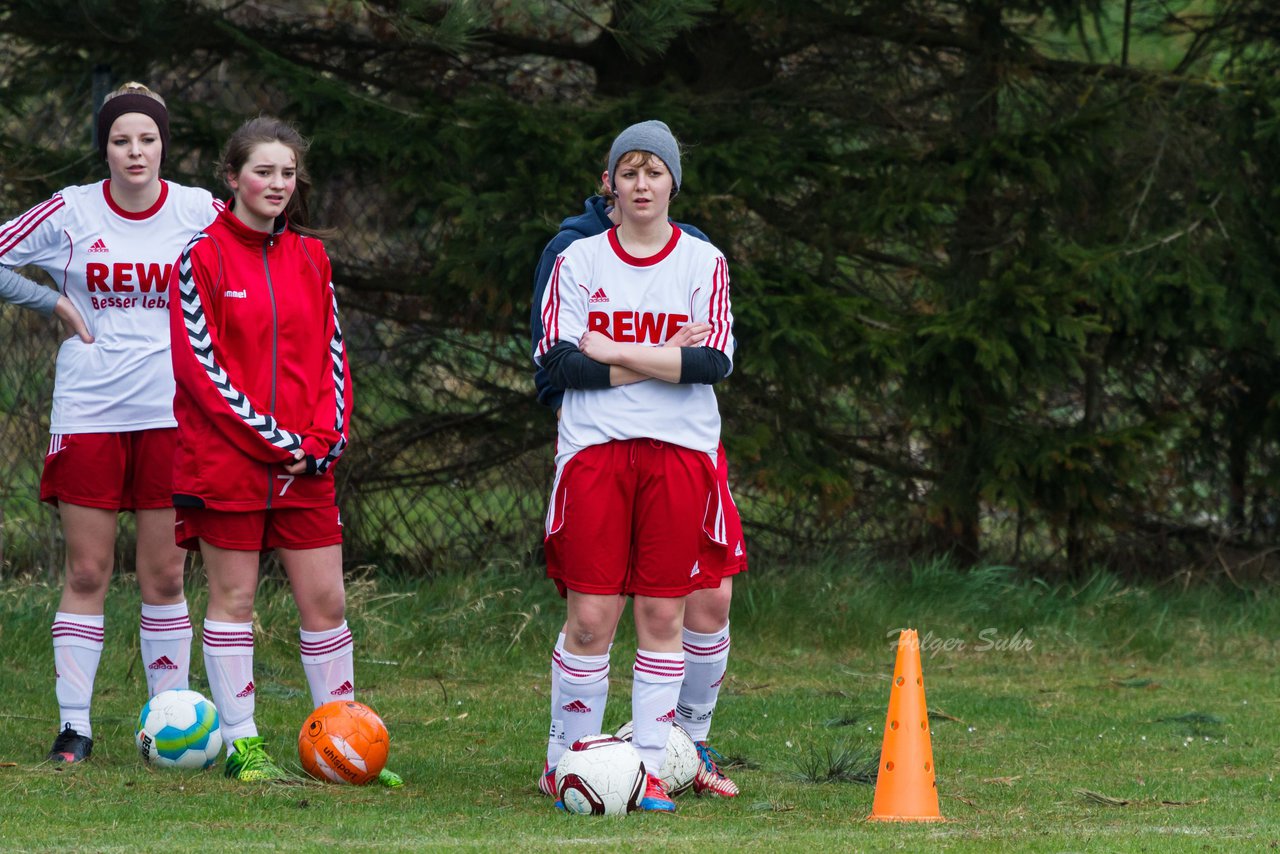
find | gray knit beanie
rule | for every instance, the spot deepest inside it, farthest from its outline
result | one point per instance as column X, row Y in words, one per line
column 652, row 136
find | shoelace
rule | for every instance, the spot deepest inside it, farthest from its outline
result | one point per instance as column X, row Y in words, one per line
column 65, row 739
column 706, row 753
column 255, row 756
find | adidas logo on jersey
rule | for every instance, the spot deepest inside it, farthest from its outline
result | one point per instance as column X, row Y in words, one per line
column 599, row 296
column 737, row 552
column 577, row 706
column 345, row 688
column 695, row 570
column 162, row 663
column 99, row 245
column 248, row 691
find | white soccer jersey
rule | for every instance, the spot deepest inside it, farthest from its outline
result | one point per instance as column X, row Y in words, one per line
column 114, row 267
column 596, row 285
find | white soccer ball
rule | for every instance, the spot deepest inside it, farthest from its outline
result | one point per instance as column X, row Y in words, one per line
column 179, row 729
column 600, row 775
column 682, row 759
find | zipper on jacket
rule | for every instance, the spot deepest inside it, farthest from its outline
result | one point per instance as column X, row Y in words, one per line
column 275, row 340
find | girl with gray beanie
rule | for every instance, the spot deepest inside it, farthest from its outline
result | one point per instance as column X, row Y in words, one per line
column 706, row 617
column 638, row 438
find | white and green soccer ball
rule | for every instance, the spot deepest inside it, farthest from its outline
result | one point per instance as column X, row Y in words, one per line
column 179, row 729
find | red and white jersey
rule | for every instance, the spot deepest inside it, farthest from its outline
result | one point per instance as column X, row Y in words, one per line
column 114, row 266
column 597, row 285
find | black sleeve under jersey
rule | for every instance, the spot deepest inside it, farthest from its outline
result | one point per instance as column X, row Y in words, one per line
column 705, row 365
column 567, row 367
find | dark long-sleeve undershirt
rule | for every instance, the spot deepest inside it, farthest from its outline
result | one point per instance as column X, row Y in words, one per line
column 568, row 367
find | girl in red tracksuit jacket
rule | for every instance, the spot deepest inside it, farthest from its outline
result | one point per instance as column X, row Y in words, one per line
column 263, row 403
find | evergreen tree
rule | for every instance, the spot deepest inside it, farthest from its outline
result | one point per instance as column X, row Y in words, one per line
column 1002, row 270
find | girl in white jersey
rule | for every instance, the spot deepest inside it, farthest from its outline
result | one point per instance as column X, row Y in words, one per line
column 635, row 506
column 110, row 247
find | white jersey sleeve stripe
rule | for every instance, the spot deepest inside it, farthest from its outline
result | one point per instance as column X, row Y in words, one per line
column 711, row 309
column 718, row 309
column 717, row 304
column 551, row 311
column 555, row 302
column 27, row 223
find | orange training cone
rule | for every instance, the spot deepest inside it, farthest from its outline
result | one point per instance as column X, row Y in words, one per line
column 906, row 788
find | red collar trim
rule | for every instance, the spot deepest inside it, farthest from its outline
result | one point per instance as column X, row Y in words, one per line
column 245, row 233
column 135, row 215
column 652, row 259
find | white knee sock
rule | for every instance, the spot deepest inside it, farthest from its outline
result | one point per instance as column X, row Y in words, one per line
column 705, row 659
column 77, row 648
column 556, row 735
column 166, row 646
column 228, row 662
column 584, row 689
column 655, row 687
column 329, row 662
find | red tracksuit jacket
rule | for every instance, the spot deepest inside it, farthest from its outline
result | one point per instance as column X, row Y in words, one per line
column 261, row 369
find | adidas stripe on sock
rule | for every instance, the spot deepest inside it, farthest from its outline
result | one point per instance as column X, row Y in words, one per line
column 655, row 687
column 706, row 657
column 584, row 689
column 166, row 633
column 328, row 660
column 228, row 662
column 555, row 737
column 77, row 649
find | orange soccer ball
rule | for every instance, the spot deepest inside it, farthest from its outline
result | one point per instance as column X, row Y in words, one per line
column 344, row 742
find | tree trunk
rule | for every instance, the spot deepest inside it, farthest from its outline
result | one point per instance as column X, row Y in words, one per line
column 976, row 117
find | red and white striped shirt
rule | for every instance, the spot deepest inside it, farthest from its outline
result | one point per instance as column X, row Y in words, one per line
column 114, row 267
column 597, row 285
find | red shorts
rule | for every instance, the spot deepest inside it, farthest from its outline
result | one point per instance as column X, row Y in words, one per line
column 735, row 559
column 259, row 530
column 637, row 516
column 111, row 471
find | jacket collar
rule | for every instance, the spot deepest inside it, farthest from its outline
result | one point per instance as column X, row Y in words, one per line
column 245, row 234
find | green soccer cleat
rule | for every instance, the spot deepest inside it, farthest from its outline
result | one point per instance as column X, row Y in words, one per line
column 390, row 779
column 251, row 764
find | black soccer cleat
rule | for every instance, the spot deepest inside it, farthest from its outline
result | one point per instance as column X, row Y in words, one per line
column 70, row 746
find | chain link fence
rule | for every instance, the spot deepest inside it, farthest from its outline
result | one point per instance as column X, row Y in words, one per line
column 451, row 456
column 416, row 496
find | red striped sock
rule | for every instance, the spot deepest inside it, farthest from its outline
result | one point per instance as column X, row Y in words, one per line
column 655, row 688
column 328, row 659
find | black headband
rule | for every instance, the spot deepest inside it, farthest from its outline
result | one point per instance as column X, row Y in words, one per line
column 132, row 103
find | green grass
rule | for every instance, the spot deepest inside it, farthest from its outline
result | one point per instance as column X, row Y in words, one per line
column 1138, row 719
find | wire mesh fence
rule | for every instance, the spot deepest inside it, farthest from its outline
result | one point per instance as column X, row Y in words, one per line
column 451, row 457
column 416, row 496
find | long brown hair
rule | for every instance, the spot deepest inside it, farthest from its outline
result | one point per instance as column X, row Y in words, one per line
column 267, row 129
